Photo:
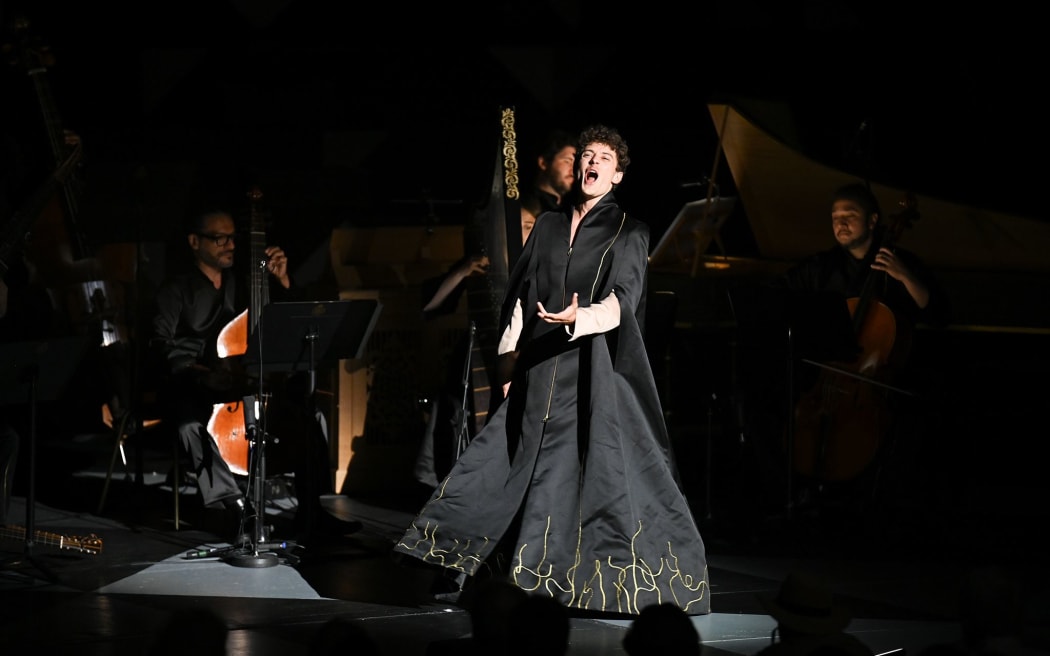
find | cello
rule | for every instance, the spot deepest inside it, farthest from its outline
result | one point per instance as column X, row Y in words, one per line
column 227, row 425
column 841, row 422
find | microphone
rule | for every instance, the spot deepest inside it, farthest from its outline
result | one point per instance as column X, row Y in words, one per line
column 703, row 182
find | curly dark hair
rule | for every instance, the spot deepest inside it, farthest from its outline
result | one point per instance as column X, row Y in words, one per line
column 553, row 143
column 609, row 137
column 860, row 194
column 195, row 220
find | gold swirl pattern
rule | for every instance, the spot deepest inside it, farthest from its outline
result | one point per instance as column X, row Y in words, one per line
column 459, row 557
column 612, row 587
column 606, row 586
column 510, row 155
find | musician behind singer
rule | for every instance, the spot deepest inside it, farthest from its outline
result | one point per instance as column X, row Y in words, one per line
column 861, row 259
column 192, row 308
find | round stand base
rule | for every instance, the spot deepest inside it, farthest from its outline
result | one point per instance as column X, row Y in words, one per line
column 257, row 560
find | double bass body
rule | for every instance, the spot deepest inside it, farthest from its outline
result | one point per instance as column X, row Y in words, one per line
column 842, row 420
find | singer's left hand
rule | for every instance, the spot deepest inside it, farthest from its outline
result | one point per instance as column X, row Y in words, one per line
column 566, row 317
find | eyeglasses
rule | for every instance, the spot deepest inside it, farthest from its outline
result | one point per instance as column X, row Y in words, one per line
column 220, row 240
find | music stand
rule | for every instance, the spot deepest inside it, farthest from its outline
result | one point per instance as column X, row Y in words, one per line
column 32, row 372
column 698, row 223
column 295, row 337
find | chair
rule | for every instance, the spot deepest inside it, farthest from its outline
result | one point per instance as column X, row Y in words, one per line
column 132, row 414
column 124, row 427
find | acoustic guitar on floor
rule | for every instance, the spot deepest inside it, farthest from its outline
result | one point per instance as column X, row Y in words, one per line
column 91, row 544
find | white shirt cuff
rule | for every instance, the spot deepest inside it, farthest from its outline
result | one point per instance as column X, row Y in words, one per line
column 600, row 317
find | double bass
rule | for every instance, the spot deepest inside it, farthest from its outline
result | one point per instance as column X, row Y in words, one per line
column 842, row 421
column 15, row 235
column 227, row 425
column 83, row 282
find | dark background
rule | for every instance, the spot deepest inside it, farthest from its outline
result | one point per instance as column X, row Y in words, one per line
column 364, row 113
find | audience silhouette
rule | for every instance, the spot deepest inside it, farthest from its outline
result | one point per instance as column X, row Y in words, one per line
column 491, row 605
column 539, row 626
column 992, row 617
column 809, row 621
column 662, row 630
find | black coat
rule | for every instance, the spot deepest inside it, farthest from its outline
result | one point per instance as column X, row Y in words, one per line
column 571, row 488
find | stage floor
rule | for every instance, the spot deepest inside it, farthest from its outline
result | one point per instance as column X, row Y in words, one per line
column 901, row 583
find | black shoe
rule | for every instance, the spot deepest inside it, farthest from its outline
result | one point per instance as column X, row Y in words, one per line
column 451, row 597
column 235, row 503
column 238, row 515
column 447, row 587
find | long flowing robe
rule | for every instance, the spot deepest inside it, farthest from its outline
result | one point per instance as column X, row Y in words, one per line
column 571, row 488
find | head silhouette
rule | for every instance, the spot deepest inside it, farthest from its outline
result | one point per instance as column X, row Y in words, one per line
column 662, row 630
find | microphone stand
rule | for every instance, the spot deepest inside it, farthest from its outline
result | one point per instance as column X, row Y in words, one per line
column 462, row 430
column 323, row 329
column 261, row 553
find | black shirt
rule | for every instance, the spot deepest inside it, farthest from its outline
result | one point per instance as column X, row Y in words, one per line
column 835, row 270
column 190, row 314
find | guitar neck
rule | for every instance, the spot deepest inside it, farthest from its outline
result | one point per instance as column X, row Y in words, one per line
column 90, row 545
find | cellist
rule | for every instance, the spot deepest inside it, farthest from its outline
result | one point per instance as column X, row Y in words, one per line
column 908, row 287
column 192, row 309
column 888, row 290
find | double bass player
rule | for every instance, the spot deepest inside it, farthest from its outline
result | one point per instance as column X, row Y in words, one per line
column 192, row 309
column 888, row 291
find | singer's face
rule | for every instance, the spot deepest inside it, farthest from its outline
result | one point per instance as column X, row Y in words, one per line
column 597, row 170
